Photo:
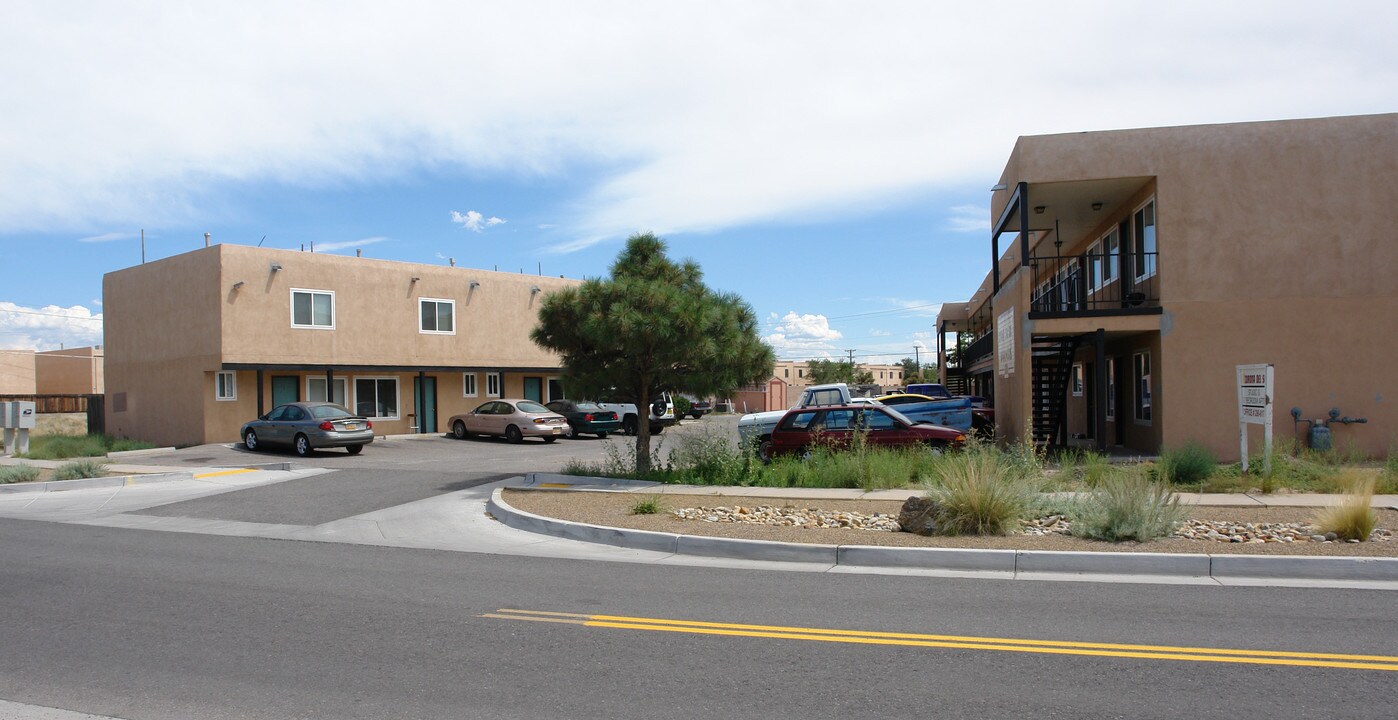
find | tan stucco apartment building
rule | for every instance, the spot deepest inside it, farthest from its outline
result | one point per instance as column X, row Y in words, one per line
column 1135, row 269
column 199, row 343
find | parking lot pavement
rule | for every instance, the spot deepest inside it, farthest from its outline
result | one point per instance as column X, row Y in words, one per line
column 443, row 454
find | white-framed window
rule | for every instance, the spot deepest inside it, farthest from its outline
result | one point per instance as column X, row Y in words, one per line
column 436, row 316
column 468, row 384
column 1143, row 241
column 492, row 384
column 376, row 397
column 315, row 390
column 225, row 385
column 1077, row 379
column 1111, row 250
column 1111, row 388
column 1140, row 375
column 313, row 309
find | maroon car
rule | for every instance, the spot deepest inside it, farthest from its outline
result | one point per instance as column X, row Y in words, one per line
column 802, row 429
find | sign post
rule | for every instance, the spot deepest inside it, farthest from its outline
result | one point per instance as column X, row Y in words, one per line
column 1255, row 408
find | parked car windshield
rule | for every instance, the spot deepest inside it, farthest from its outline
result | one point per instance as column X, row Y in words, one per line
column 325, row 412
column 531, row 406
column 587, row 406
column 904, row 418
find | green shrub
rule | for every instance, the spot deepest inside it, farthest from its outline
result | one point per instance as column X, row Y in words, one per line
column 1085, row 468
column 1189, row 464
column 983, row 491
column 80, row 469
column 1129, row 506
column 708, row 457
column 125, row 444
column 682, row 406
column 1353, row 517
column 18, row 473
column 649, row 505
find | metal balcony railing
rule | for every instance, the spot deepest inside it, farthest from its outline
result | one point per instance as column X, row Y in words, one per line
column 1094, row 283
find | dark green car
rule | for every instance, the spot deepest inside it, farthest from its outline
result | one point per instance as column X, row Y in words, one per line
column 586, row 418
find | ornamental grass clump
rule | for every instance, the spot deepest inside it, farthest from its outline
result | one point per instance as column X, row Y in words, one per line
column 80, row 469
column 1353, row 517
column 18, row 474
column 1129, row 506
column 1188, row 464
column 982, row 491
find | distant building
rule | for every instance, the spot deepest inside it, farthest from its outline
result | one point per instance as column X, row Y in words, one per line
column 17, row 372
column 199, row 343
column 71, row 371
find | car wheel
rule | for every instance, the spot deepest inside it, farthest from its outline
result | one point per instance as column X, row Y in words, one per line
column 354, row 449
column 549, row 439
column 628, row 425
column 572, row 433
column 936, row 448
column 513, row 434
column 458, row 430
column 602, row 435
column 303, row 445
column 250, row 440
column 764, row 450
column 696, row 414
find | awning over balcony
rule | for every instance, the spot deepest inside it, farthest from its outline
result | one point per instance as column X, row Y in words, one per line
column 1070, row 208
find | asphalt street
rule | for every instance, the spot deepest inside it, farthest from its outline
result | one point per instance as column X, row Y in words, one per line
column 139, row 625
column 144, row 625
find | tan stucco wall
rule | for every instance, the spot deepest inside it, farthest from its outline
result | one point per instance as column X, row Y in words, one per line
column 160, row 336
column 376, row 312
column 17, row 372
column 69, row 371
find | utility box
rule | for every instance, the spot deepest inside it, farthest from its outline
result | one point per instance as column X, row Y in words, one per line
column 17, row 419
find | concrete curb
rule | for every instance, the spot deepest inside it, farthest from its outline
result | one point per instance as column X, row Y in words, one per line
column 122, row 454
column 89, row 483
column 1004, row 562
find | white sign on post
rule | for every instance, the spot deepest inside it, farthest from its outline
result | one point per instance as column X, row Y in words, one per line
column 1255, row 408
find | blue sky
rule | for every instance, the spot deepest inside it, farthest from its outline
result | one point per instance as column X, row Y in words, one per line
column 830, row 162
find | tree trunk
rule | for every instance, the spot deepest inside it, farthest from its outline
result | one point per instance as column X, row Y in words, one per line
column 643, row 430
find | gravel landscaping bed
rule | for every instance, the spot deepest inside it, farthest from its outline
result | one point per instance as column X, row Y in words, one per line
column 614, row 510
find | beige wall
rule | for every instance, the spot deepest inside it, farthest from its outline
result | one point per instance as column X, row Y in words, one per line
column 72, row 371
column 174, row 323
column 17, row 372
column 1274, row 247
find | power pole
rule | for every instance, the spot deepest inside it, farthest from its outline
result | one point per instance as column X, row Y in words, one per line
column 917, row 354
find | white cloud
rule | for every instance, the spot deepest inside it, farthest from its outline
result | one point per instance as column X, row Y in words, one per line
column 474, row 221
column 913, row 308
column 108, row 237
column 49, row 327
column 879, row 333
column 693, row 118
column 802, row 335
column 969, row 218
column 333, row 246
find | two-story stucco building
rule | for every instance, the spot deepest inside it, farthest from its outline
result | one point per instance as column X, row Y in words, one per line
column 199, row 343
column 1134, row 269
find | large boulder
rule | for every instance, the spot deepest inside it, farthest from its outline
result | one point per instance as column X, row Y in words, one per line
column 919, row 515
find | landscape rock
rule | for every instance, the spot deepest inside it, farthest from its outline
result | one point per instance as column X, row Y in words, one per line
column 919, row 516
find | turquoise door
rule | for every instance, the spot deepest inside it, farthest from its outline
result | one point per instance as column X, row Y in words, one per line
column 534, row 389
column 425, row 403
column 285, row 389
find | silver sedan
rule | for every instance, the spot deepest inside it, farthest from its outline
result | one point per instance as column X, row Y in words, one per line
column 513, row 420
column 308, row 426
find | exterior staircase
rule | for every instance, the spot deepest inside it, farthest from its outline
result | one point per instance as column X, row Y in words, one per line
column 1052, row 366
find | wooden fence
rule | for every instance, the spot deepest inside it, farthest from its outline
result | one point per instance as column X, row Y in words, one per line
column 93, row 405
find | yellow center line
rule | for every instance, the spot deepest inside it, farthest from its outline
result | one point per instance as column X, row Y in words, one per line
column 1051, row 647
column 220, row 473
